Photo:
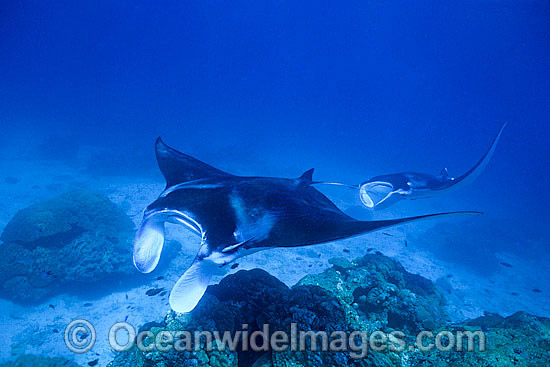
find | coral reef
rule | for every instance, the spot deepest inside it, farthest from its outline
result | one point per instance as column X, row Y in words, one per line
column 517, row 340
column 251, row 298
column 78, row 238
column 370, row 293
column 379, row 293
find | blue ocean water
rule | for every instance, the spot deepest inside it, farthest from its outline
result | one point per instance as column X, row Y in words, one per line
column 353, row 89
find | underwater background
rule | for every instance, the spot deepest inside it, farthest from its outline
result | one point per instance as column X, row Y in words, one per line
column 353, row 89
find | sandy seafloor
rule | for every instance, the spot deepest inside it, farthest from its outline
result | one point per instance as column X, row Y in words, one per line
column 29, row 329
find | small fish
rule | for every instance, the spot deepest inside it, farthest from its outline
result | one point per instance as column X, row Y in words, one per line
column 126, row 297
column 55, row 331
column 160, row 278
column 299, row 258
column 309, row 266
column 378, row 253
column 506, row 264
column 52, row 307
column 234, row 266
column 126, row 318
column 372, row 273
column 93, row 363
column 11, row 180
column 406, row 243
column 38, row 232
column 154, row 291
column 87, row 304
column 449, row 275
column 370, row 249
column 387, row 234
column 514, row 294
column 163, row 293
column 536, row 290
column 346, row 250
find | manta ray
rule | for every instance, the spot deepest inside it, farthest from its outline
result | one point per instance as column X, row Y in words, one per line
column 382, row 191
column 234, row 216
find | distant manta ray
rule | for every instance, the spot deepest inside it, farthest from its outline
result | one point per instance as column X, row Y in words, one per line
column 235, row 216
column 382, row 191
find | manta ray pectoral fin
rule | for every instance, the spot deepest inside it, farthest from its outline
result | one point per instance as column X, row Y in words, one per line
column 235, row 246
column 190, row 288
column 374, row 193
column 148, row 244
column 369, row 226
column 178, row 167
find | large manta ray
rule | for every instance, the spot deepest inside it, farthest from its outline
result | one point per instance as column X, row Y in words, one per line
column 382, row 191
column 234, row 216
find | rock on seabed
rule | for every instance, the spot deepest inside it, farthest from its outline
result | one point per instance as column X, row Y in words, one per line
column 76, row 239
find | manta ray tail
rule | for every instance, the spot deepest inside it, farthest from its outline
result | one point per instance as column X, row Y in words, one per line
column 190, row 288
column 476, row 170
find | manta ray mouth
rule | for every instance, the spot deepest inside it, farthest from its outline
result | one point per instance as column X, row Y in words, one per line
column 366, row 199
column 149, row 240
column 373, row 194
column 148, row 244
